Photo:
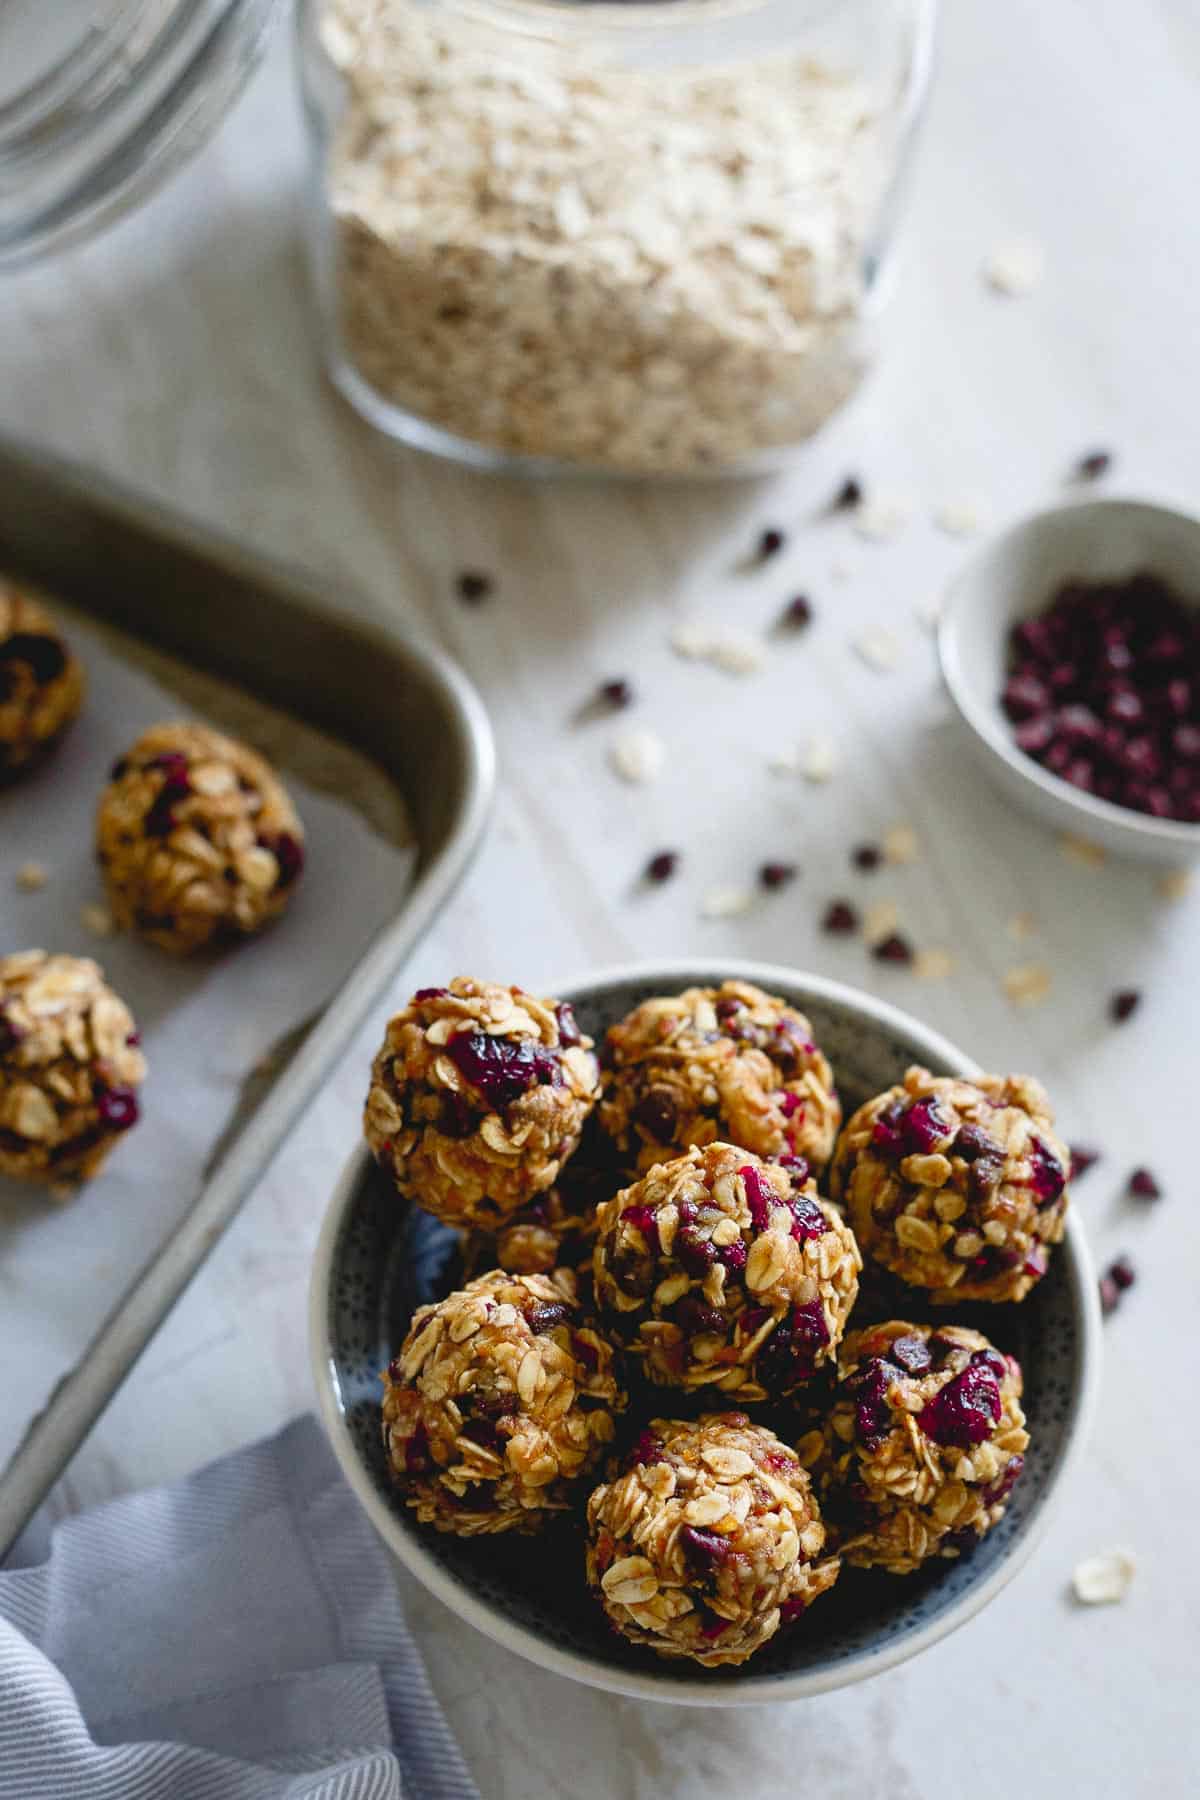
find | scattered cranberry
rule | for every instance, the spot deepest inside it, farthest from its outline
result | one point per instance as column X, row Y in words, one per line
column 797, row 613
column 1124, row 1004
column 1082, row 1159
column 966, row 1410
column 893, row 949
column 777, row 874
column 867, row 857
column 1143, row 1185
column 472, row 586
column 1110, row 1295
column 1123, row 1273
column 43, row 656
column 1092, row 466
column 118, row 1107
column 840, row 918
column 770, row 544
column 848, row 496
column 503, row 1068
column 133, row 1039
column 616, row 694
column 662, row 866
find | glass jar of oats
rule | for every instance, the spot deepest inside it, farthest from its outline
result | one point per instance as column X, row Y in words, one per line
column 646, row 237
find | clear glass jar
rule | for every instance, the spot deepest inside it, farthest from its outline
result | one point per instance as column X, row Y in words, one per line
column 646, row 237
column 101, row 100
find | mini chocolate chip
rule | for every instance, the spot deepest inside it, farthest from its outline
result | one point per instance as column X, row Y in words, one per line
column 473, row 586
column 867, row 857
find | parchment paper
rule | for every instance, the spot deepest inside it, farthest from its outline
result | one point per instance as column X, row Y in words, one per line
column 206, row 1024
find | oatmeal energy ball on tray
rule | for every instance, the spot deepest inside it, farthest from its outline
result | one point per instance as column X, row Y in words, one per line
column 500, row 1399
column 708, row 1541
column 923, row 1446
column 722, row 1271
column 728, row 1062
column 41, row 683
column 478, row 1096
column 69, row 1067
column 198, row 839
column 956, row 1186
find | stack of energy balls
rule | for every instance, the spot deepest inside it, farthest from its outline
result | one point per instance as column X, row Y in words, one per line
column 706, row 1262
column 200, row 847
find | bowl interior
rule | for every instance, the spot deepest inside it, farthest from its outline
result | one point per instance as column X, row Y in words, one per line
column 385, row 1258
column 1015, row 576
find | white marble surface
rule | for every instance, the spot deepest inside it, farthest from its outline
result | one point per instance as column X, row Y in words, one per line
column 176, row 353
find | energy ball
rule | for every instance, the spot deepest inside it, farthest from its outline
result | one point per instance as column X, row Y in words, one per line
column 708, row 1541
column 500, row 1399
column 478, row 1096
column 720, row 1270
column 69, row 1067
column 923, row 1445
column 728, row 1063
column 198, row 839
column 956, row 1186
column 41, row 683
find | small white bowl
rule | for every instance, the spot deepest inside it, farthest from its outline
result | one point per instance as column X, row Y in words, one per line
column 377, row 1257
column 1014, row 577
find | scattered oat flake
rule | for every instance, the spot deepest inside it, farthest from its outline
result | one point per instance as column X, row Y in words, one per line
column 934, row 965
column 1028, row 984
column 880, row 920
column 882, row 518
column 730, row 651
column 1175, row 884
column 959, row 518
column 1015, row 269
column 1104, row 1579
column 901, row 844
column 96, row 919
column 637, row 756
column 818, row 758
column 31, row 876
column 726, row 903
column 1079, row 850
column 1021, row 926
column 878, row 648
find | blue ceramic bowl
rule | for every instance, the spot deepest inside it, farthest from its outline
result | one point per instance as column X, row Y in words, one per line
column 378, row 1258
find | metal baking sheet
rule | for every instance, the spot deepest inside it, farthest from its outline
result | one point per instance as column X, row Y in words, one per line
column 209, row 619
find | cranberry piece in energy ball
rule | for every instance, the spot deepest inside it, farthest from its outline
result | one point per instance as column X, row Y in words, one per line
column 41, row 683
column 956, row 1186
column 69, row 1068
column 501, row 1397
column 721, row 1271
column 922, row 1446
column 478, row 1097
column 704, row 1547
column 198, row 840
column 730, row 1063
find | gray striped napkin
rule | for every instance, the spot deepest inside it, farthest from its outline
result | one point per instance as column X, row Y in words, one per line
column 236, row 1637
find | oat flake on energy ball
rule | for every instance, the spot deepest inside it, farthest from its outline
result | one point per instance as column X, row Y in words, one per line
column 546, row 258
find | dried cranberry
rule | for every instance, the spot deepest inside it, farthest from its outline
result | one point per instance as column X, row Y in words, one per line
column 972, row 1142
column 1047, row 1173
column 808, row 1221
column 662, row 866
column 642, row 1219
column 867, row 857
column 791, row 1609
column 288, row 852
column 616, row 694
column 770, row 543
column 647, row 1449
column 430, row 993
column 473, row 586
column 692, row 1252
column 993, row 1360
column 696, row 1318
column 456, row 1116
column 790, row 1104
column 159, row 819
column 872, row 1414
column 1025, row 697
column 1123, row 1272
column 798, row 612
column 893, row 949
column 713, row 1627
column 965, row 1411
column 1003, row 1486
column 43, row 656
column 1082, row 1159
column 1124, row 1004
column 849, row 495
column 796, row 1166
column 118, row 1107
column 840, row 918
column 910, row 1354
column 732, row 1256
column 705, row 1547
column 482, row 1432
column 777, row 874
column 924, row 1127
column 887, row 1133
column 760, row 1196
column 1110, row 1295
column 1095, row 464
column 545, row 1316
column 657, row 1114
column 503, row 1068
column 1144, row 1186
column 569, row 1033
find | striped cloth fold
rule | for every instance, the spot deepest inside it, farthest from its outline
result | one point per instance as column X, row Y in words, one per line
column 238, row 1636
